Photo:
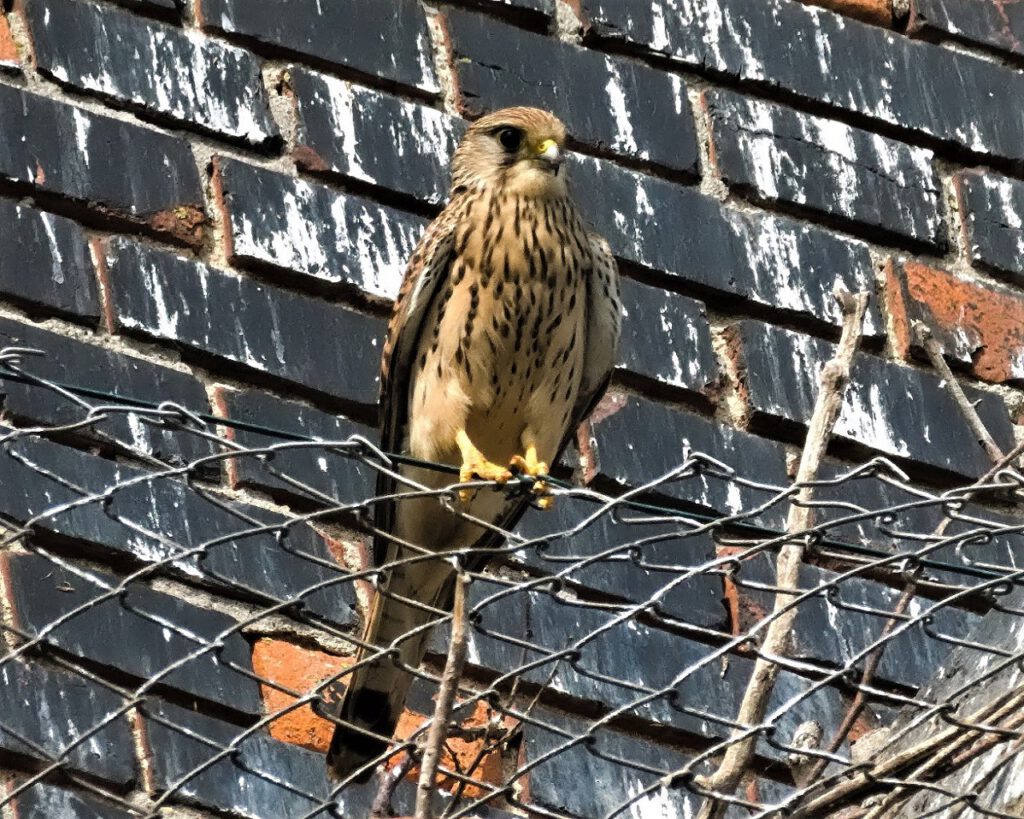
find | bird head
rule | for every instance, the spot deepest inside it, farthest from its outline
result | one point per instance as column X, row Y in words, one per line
column 516, row 150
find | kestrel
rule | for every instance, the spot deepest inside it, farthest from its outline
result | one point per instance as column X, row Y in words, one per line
column 502, row 340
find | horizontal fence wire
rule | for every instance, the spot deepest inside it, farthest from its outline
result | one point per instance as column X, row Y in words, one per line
column 149, row 547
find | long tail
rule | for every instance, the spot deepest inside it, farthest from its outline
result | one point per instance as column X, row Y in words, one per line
column 375, row 696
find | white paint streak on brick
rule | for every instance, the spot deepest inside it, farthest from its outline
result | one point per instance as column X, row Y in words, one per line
column 624, row 139
column 1003, row 190
column 82, row 125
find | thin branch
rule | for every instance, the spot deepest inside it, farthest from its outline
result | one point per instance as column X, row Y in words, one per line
column 835, row 376
column 389, row 780
column 931, row 347
column 445, row 702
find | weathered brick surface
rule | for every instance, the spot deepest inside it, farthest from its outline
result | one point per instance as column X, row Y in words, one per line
column 341, row 478
column 301, row 670
column 616, row 565
column 262, row 778
column 315, row 231
column 992, row 208
column 950, row 562
column 140, row 632
column 232, row 547
column 44, row 261
column 592, row 776
column 920, row 87
column 610, row 103
column 68, row 361
column 666, row 337
column 9, row 59
column 691, row 237
column 387, row 41
column 640, row 440
column 41, row 801
column 75, row 153
column 74, row 705
column 994, row 23
column 157, row 67
column 975, row 324
column 631, row 652
column 923, row 425
column 842, row 627
column 264, row 329
column 373, row 137
column 785, row 156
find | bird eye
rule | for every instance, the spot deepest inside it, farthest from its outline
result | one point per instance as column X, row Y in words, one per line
column 510, row 139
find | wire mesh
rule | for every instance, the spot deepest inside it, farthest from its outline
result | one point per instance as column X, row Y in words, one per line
column 611, row 638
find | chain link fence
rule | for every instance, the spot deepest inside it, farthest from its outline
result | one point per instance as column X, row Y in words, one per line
column 148, row 547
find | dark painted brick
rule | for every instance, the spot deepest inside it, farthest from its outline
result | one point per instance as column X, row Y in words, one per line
column 925, row 88
column 50, row 709
column 631, row 652
column 157, row 67
column 546, row 7
column 44, row 260
column 666, row 337
column 75, row 153
column 389, row 41
column 787, row 156
column 316, row 231
column 597, row 776
column 629, row 557
column 896, row 410
column 992, row 207
column 836, row 628
column 766, row 259
column 610, row 103
column 47, row 802
column 154, row 520
column 141, row 632
column 322, row 346
column 994, row 23
column 642, row 441
column 69, row 361
column 342, row 478
column 262, row 778
column 373, row 137
column 168, row 5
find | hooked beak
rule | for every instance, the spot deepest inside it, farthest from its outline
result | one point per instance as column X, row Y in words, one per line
column 549, row 152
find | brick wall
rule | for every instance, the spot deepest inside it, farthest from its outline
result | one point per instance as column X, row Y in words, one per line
column 210, row 202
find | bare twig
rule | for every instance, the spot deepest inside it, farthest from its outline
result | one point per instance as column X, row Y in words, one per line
column 931, row 347
column 445, row 702
column 389, row 780
column 835, row 376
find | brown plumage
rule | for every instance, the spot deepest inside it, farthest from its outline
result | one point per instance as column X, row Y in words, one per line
column 502, row 340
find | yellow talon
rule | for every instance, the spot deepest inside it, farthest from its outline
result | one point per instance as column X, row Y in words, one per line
column 476, row 467
column 529, row 464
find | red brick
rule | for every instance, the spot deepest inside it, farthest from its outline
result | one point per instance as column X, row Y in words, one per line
column 878, row 12
column 487, row 768
column 300, row 669
column 978, row 325
column 8, row 48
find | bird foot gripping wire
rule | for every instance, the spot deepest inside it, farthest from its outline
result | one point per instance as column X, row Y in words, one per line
column 529, row 464
column 476, row 467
